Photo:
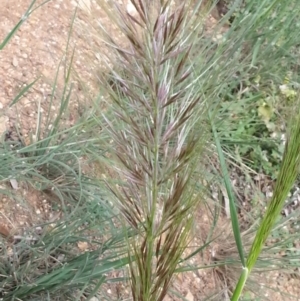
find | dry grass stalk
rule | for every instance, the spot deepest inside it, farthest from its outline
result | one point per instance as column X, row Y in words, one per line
column 155, row 148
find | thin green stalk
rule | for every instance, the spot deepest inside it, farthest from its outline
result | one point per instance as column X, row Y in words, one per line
column 25, row 16
column 232, row 202
column 286, row 178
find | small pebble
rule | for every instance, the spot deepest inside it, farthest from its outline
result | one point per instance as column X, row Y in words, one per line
column 15, row 62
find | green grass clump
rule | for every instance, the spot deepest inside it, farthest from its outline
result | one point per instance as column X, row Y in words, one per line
column 45, row 262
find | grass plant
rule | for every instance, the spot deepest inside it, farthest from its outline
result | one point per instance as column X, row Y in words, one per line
column 154, row 143
column 45, row 262
column 170, row 97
